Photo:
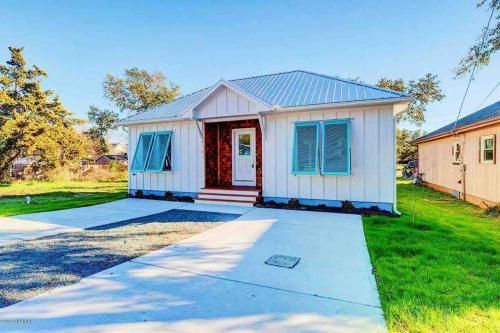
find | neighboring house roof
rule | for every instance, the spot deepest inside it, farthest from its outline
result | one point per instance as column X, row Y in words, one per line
column 122, row 157
column 23, row 161
column 486, row 114
column 281, row 90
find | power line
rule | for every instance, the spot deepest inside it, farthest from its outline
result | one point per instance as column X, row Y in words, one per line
column 489, row 94
column 473, row 68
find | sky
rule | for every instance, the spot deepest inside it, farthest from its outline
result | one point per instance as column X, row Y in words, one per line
column 195, row 43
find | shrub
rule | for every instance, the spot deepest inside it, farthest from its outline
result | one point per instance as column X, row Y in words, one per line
column 294, row 203
column 492, row 211
column 139, row 194
column 347, row 206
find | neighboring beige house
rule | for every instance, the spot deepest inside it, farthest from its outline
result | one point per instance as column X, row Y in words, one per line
column 463, row 162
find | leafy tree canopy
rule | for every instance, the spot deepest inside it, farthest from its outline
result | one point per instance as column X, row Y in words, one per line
column 405, row 151
column 139, row 90
column 33, row 122
column 425, row 90
column 102, row 121
column 482, row 55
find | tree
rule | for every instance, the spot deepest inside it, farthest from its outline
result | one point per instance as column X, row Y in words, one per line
column 426, row 90
column 139, row 91
column 405, row 151
column 102, row 121
column 33, row 122
column 480, row 51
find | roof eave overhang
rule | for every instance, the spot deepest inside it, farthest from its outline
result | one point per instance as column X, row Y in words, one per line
column 384, row 101
column 459, row 130
column 149, row 121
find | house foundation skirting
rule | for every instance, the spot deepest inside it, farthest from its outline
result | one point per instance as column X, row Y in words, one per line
column 162, row 193
column 483, row 203
column 334, row 203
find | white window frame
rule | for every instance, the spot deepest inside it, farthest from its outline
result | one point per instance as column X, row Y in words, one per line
column 482, row 149
column 456, row 159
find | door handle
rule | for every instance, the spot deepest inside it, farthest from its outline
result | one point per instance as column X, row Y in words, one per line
column 252, row 166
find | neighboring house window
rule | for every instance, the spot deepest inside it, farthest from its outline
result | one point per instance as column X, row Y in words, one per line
column 335, row 157
column 142, row 151
column 305, row 148
column 487, row 149
column 159, row 158
column 456, row 152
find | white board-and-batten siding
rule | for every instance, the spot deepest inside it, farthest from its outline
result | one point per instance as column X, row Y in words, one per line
column 225, row 102
column 187, row 174
column 372, row 176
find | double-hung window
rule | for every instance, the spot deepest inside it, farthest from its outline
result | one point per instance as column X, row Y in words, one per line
column 305, row 148
column 487, row 150
column 322, row 147
column 153, row 152
column 336, row 157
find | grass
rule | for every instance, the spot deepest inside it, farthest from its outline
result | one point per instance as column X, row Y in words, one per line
column 441, row 272
column 57, row 195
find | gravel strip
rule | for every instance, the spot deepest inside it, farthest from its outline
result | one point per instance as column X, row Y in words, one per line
column 29, row 268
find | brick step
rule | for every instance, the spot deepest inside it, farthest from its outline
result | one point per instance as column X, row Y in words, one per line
column 225, row 202
column 228, row 197
column 223, row 191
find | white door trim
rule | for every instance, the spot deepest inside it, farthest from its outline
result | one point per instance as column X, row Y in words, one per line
column 235, row 133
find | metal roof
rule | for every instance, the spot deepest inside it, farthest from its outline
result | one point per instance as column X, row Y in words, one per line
column 487, row 113
column 283, row 90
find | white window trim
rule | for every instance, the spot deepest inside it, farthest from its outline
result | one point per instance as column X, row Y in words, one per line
column 482, row 149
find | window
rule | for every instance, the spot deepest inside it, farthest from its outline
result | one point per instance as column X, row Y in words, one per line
column 159, row 158
column 142, row 151
column 487, row 150
column 336, row 159
column 244, row 145
column 305, row 148
column 153, row 152
column 456, row 152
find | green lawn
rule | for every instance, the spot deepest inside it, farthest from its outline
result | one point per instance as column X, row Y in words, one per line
column 57, row 195
column 440, row 273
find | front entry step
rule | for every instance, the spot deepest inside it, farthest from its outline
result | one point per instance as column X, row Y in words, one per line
column 224, row 202
column 235, row 195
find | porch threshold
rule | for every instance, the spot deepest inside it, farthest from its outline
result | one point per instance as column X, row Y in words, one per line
column 233, row 188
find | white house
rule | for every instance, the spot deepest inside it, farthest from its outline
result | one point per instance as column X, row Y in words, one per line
column 298, row 134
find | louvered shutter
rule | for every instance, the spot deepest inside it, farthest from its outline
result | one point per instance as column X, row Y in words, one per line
column 336, row 159
column 159, row 151
column 305, row 150
column 142, row 151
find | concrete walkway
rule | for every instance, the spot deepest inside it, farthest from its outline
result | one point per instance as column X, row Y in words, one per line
column 217, row 282
column 30, row 226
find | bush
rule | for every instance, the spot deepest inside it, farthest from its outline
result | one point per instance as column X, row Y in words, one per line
column 294, row 203
column 347, row 206
column 139, row 194
column 492, row 211
column 101, row 174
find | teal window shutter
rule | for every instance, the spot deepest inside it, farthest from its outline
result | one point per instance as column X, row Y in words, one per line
column 336, row 153
column 142, row 151
column 159, row 152
column 305, row 148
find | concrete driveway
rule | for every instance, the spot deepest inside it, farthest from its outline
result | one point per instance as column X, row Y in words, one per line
column 217, row 281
